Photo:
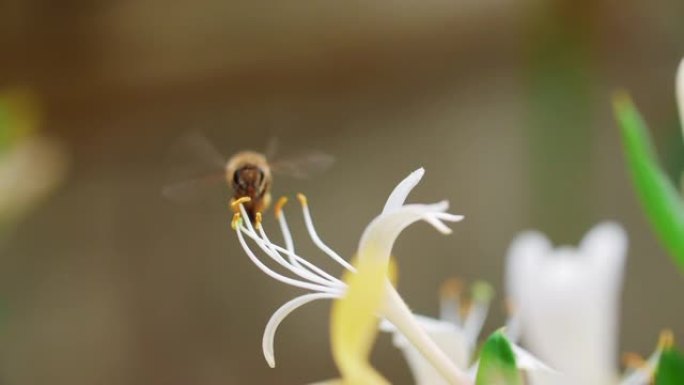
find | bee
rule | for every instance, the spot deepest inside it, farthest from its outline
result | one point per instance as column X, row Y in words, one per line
column 248, row 174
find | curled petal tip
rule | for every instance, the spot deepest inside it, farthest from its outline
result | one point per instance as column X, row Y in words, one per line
column 399, row 194
column 451, row 217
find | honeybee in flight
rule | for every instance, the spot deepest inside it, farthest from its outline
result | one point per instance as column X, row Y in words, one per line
column 247, row 173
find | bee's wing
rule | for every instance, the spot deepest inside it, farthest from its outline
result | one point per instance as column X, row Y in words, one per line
column 193, row 166
column 197, row 147
column 303, row 166
column 191, row 189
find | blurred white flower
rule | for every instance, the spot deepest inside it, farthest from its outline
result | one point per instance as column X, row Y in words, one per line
column 566, row 302
column 28, row 171
column 376, row 242
column 456, row 332
column 31, row 166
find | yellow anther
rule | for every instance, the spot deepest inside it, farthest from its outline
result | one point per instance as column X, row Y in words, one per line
column 666, row 339
column 451, row 288
column 257, row 220
column 235, row 204
column 279, row 206
column 236, row 221
column 634, row 360
column 302, row 199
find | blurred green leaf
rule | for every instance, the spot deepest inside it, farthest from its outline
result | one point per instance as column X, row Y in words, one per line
column 658, row 195
column 670, row 368
column 497, row 362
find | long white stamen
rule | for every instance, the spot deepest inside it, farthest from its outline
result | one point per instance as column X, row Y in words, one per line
column 287, row 236
column 482, row 296
column 302, row 262
column 310, row 266
column 289, row 245
column 266, row 249
column 317, row 240
column 245, row 218
column 280, row 277
column 450, row 302
column 397, row 312
column 280, row 315
column 643, row 374
column 475, row 320
column 297, row 269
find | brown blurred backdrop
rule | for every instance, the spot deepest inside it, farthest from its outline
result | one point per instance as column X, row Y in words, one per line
column 506, row 104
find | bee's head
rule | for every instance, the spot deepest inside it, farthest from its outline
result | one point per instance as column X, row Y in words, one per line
column 249, row 180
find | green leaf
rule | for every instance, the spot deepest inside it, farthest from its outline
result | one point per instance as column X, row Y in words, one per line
column 670, row 368
column 497, row 362
column 657, row 193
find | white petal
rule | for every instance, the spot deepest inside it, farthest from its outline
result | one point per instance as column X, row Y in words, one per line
column 524, row 360
column 527, row 362
column 606, row 246
column 680, row 92
column 378, row 238
column 449, row 338
column 279, row 316
column 403, row 189
column 522, row 258
column 569, row 298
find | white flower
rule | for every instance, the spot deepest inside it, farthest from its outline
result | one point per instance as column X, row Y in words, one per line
column 456, row 334
column 376, row 242
column 567, row 302
column 30, row 169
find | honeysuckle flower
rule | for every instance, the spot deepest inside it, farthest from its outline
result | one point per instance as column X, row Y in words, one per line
column 456, row 332
column 567, row 303
column 659, row 196
column 375, row 245
column 353, row 327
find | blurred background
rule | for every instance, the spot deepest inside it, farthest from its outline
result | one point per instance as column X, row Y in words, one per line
column 506, row 103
